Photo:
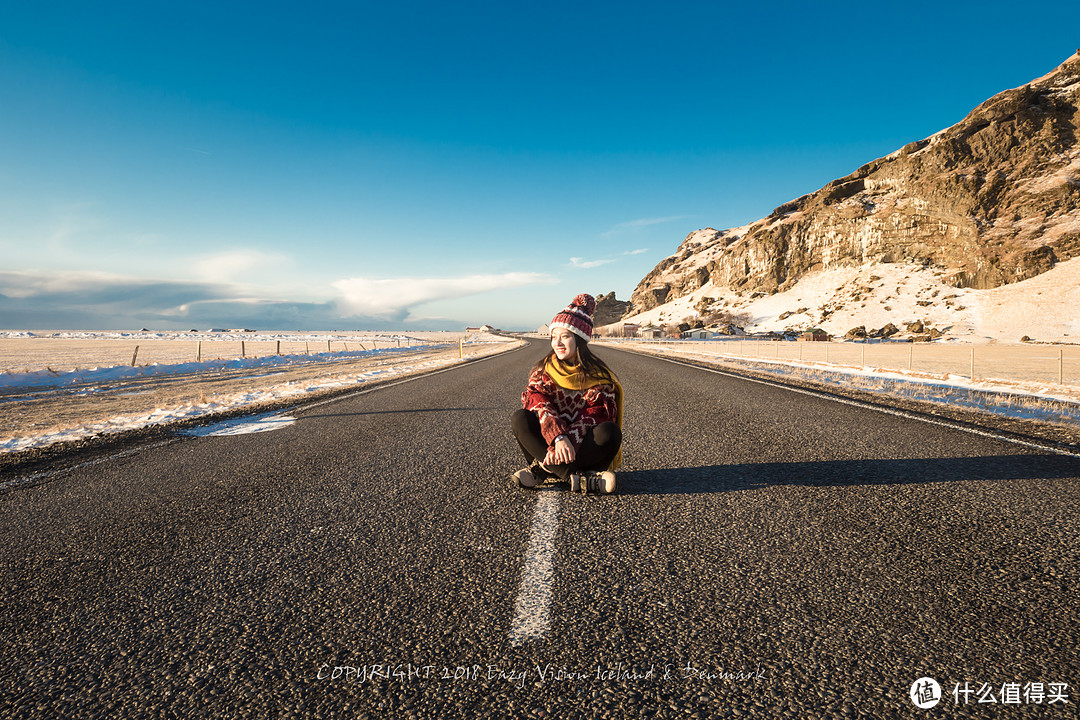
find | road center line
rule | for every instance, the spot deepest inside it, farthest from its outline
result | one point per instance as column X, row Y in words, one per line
column 532, row 611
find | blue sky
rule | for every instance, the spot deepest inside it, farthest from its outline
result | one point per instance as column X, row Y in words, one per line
column 423, row 165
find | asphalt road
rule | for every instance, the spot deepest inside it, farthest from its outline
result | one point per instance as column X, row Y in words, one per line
column 769, row 553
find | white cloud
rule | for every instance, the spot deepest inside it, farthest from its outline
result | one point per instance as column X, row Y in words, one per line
column 89, row 300
column 233, row 265
column 32, row 283
column 588, row 264
column 642, row 222
column 636, row 252
column 394, row 297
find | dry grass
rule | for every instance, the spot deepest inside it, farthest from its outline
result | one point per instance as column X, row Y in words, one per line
column 1030, row 363
column 54, row 411
column 63, row 354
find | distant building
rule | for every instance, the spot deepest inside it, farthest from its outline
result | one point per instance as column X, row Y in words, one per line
column 543, row 330
column 482, row 328
column 815, row 335
column 698, row 334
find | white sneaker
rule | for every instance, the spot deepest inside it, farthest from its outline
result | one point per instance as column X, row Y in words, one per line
column 593, row 482
column 526, row 479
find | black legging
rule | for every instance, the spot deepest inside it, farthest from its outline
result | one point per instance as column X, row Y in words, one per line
column 597, row 450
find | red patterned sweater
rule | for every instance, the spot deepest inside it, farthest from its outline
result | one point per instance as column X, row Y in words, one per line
column 567, row 412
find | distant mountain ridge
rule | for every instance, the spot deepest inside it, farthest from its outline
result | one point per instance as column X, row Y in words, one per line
column 992, row 200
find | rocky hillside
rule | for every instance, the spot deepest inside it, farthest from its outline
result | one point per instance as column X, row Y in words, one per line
column 609, row 309
column 992, row 200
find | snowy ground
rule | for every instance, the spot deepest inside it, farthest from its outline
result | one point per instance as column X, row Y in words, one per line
column 1043, row 308
column 26, row 351
column 331, row 371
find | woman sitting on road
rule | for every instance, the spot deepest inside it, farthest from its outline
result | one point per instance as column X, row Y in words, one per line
column 570, row 426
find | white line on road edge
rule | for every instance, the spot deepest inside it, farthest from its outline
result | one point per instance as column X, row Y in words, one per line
column 532, row 612
column 878, row 408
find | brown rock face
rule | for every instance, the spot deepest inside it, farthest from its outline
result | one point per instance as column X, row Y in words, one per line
column 609, row 309
column 994, row 199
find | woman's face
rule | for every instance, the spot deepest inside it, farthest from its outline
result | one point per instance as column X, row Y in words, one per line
column 564, row 343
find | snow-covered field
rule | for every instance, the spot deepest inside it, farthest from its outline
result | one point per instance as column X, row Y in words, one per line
column 86, row 401
column 23, row 351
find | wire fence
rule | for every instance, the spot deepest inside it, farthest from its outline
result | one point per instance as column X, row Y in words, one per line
column 65, row 354
column 1055, row 364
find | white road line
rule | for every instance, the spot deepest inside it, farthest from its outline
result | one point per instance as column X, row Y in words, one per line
column 879, row 408
column 532, row 611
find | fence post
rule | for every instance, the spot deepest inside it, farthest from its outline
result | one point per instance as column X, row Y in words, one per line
column 327, row 346
column 910, row 354
column 278, row 351
column 1061, row 366
column 198, row 352
column 862, row 358
column 827, row 344
column 243, row 349
column 134, row 355
column 461, row 348
column 972, row 362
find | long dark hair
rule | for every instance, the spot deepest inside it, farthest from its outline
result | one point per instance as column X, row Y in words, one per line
column 591, row 365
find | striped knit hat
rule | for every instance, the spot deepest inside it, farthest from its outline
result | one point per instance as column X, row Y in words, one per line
column 577, row 317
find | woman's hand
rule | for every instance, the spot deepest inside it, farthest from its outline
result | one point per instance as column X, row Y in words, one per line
column 561, row 453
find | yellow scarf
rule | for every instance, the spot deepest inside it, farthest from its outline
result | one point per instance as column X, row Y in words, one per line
column 573, row 377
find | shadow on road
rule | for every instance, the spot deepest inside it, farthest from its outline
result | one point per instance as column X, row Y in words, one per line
column 726, row 478
column 398, row 412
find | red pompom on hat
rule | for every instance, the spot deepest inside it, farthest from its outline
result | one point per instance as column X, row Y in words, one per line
column 577, row 317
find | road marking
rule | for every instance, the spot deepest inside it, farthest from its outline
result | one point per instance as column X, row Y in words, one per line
column 878, row 408
column 242, row 425
column 532, row 611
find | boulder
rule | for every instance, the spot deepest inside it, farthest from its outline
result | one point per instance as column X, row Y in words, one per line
column 856, row 333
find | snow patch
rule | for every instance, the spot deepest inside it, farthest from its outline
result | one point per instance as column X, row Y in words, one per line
column 243, row 426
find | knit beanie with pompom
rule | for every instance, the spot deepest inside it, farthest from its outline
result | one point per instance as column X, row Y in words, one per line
column 577, row 317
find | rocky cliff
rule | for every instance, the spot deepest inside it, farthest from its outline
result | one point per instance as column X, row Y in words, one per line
column 609, row 309
column 992, row 200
